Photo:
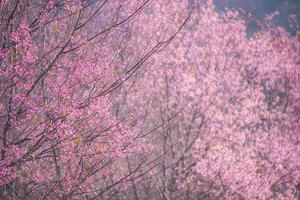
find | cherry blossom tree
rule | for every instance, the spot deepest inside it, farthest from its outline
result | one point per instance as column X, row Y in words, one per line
column 61, row 63
column 140, row 99
column 225, row 109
